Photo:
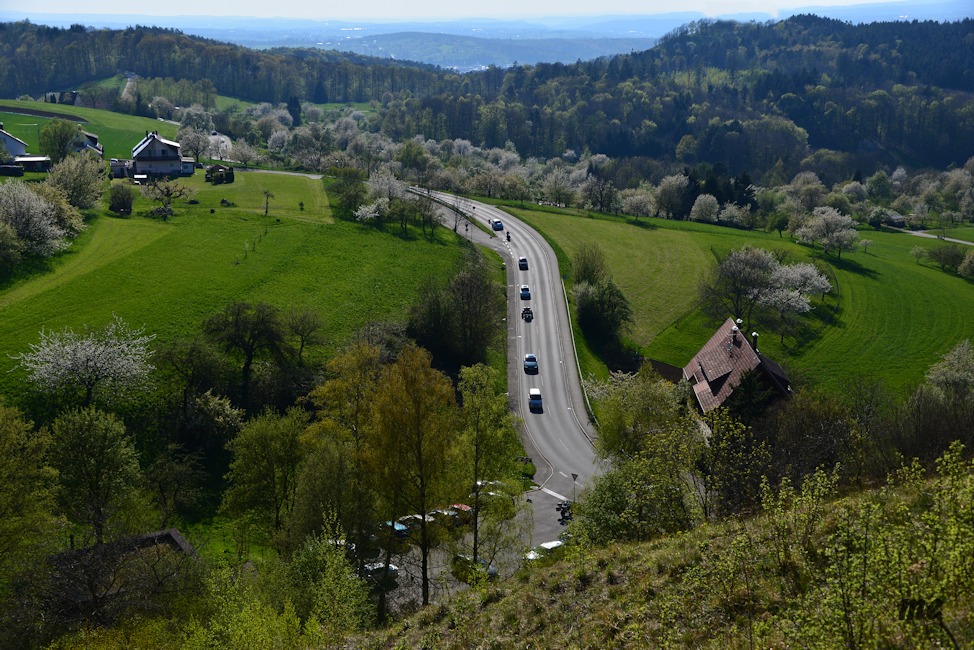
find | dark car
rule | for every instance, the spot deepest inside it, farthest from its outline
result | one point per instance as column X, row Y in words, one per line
column 530, row 363
column 525, row 292
column 522, row 263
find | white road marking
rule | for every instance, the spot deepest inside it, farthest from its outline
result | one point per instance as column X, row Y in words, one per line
column 554, row 494
column 563, row 474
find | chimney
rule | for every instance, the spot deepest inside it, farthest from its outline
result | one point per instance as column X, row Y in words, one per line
column 734, row 331
column 754, row 341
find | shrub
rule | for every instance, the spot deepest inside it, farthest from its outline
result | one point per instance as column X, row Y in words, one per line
column 120, row 198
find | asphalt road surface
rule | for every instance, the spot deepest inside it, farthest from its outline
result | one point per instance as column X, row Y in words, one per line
column 559, row 437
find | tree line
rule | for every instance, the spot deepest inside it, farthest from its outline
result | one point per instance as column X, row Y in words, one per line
column 747, row 96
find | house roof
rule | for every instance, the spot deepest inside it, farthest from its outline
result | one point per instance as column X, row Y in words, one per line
column 152, row 135
column 13, row 137
column 717, row 368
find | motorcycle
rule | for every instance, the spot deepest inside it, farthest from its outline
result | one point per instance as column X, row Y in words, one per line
column 508, row 236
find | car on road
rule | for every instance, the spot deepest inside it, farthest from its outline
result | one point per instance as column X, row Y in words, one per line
column 530, row 363
column 376, row 572
column 522, row 263
column 466, row 570
column 542, row 550
column 525, row 292
column 496, row 224
column 534, row 399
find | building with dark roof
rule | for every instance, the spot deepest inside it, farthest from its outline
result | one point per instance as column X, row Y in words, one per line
column 716, row 370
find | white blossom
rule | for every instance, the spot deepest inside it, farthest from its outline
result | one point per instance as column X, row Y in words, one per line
column 115, row 357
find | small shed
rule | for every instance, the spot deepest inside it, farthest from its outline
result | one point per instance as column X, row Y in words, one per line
column 34, row 163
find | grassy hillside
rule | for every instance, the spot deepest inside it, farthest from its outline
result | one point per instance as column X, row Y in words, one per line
column 813, row 572
column 887, row 316
column 170, row 275
column 116, row 132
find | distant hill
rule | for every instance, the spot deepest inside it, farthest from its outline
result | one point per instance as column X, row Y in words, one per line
column 757, row 98
column 465, row 53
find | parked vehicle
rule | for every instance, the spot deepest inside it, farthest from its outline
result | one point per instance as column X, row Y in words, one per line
column 466, row 570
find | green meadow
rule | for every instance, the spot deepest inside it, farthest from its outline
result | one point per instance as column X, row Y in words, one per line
column 888, row 317
column 116, row 132
column 169, row 276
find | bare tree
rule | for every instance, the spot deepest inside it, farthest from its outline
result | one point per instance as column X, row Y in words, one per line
column 164, row 192
column 305, row 325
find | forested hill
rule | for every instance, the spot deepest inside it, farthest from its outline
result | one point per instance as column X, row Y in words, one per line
column 753, row 97
column 35, row 59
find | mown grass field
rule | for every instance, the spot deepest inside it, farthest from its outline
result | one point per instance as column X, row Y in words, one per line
column 169, row 276
column 894, row 317
column 116, row 132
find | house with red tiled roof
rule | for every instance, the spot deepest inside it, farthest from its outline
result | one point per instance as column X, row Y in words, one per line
column 716, row 370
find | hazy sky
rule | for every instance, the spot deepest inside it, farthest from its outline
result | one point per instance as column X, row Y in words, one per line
column 419, row 9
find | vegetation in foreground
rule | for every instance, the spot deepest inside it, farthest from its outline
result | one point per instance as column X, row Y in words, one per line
column 890, row 567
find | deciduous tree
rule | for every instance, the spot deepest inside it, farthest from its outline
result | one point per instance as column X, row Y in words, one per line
column 248, row 331
column 415, row 436
column 489, row 439
column 110, row 360
column 263, row 473
column 56, row 139
column 98, row 468
column 27, row 486
column 31, row 218
column 81, row 177
column 828, row 227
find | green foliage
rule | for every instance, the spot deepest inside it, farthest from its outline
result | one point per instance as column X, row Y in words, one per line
column 461, row 321
column 671, row 328
column 654, row 447
column 82, row 179
column 733, row 465
column 27, row 487
column 56, row 138
column 121, row 196
column 264, row 471
column 328, row 597
column 241, row 619
column 98, row 470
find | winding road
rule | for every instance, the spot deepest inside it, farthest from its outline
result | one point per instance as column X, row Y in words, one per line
column 558, row 438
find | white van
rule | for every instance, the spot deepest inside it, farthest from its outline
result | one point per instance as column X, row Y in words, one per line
column 534, row 399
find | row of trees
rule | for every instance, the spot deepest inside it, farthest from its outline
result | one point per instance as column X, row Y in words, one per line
column 718, row 92
column 40, row 219
column 382, row 436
